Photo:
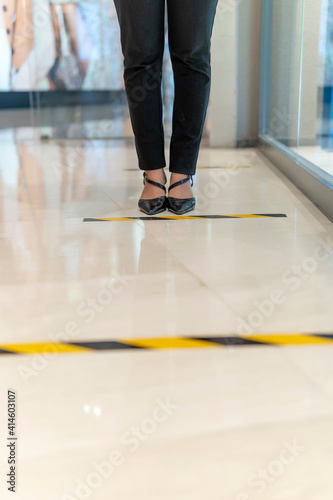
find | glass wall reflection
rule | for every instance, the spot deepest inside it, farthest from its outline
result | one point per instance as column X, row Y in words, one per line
column 63, row 59
column 297, row 105
column 316, row 113
column 285, row 59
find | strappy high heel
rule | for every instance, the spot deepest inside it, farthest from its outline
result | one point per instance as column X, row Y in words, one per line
column 181, row 206
column 155, row 205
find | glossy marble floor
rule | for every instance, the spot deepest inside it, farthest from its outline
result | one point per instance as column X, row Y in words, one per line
column 317, row 155
column 237, row 423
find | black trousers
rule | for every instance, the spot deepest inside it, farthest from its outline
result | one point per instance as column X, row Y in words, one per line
column 190, row 24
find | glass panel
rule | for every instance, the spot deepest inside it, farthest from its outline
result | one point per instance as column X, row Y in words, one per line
column 282, row 40
column 316, row 123
column 63, row 59
column 81, row 93
column 16, row 47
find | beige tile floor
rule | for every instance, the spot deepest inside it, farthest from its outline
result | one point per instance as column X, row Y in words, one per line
column 323, row 158
column 218, row 424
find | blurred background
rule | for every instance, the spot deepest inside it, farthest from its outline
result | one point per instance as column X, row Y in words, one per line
column 67, row 153
column 61, row 72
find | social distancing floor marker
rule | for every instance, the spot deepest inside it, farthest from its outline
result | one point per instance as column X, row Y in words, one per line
column 183, row 217
column 162, row 343
column 43, row 347
column 198, row 168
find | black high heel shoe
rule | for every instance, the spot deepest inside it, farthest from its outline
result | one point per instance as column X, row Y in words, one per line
column 155, row 205
column 181, row 206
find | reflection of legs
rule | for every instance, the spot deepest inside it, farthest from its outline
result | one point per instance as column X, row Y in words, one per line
column 190, row 29
column 142, row 39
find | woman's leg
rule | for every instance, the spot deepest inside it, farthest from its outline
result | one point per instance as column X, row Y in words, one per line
column 190, row 29
column 142, row 39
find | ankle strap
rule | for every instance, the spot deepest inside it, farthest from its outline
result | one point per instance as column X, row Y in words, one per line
column 179, row 183
column 157, row 184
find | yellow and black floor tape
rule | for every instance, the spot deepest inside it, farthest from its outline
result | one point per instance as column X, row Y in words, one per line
column 160, row 343
column 198, row 168
column 182, row 217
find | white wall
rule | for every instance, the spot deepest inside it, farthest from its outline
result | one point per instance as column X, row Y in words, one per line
column 223, row 99
column 235, row 72
column 248, row 68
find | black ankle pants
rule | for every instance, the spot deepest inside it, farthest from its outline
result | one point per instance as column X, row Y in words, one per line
column 190, row 24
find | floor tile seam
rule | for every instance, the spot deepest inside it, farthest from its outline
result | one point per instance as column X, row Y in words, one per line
column 138, row 222
column 199, row 280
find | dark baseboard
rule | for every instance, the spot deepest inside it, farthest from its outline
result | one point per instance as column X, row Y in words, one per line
column 19, row 100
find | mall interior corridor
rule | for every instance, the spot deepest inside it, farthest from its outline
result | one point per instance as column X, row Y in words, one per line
column 175, row 358
column 157, row 354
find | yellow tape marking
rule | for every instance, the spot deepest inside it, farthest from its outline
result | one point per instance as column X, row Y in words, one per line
column 179, row 217
column 202, row 168
column 170, row 343
column 288, row 339
column 43, row 348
